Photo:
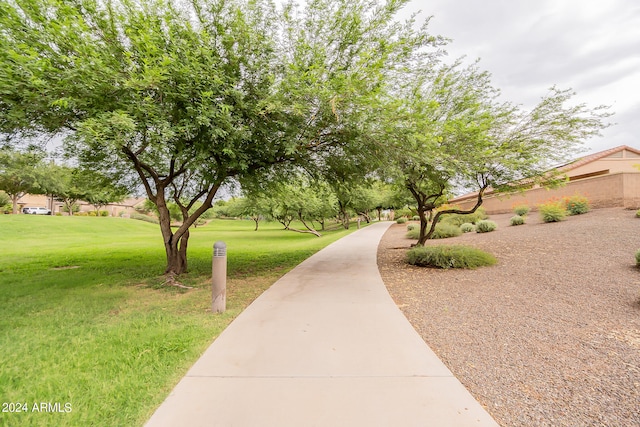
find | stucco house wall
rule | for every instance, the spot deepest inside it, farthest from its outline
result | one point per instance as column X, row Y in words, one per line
column 608, row 179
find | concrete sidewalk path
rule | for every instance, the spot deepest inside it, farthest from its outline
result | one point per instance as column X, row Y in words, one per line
column 324, row 346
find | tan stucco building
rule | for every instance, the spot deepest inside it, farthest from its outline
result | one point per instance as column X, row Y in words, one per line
column 609, row 178
column 127, row 206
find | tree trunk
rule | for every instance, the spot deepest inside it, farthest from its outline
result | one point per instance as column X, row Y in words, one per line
column 424, row 222
column 175, row 247
column 14, row 200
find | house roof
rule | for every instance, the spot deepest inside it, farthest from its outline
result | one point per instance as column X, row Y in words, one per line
column 596, row 156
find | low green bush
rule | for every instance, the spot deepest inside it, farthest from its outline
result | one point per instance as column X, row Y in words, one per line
column 521, row 210
column 576, row 204
column 552, row 211
column 638, row 258
column 411, row 227
column 442, row 231
column 485, row 226
column 516, row 220
column 401, row 220
column 442, row 256
column 415, row 218
column 638, row 213
column 145, row 218
column 459, row 219
column 467, row 227
column 104, row 213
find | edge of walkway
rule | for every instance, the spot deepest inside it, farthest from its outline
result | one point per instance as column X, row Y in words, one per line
column 324, row 346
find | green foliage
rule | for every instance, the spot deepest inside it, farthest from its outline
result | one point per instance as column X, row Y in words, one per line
column 638, row 213
column 404, row 212
column 638, row 258
column 459, row 219
column 401, row 220
column 516, row 220
column 178, row 97
column 411, row 227
column 552, row 211
column 521, row 210
column 485, row 226
column 415, row 218
column 442, row 231
column 4, row 199
column 576, row 204
column 467, row 227
column 20, row 173
column 74, row 208
column 442, row 256
column 145, row 218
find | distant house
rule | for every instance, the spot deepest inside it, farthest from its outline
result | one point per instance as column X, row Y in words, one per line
column 126, row 207
column 608, row 178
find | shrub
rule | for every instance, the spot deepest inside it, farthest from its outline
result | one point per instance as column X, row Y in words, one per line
column 516, row 220
column 552, row 211
column 521, row 210
column 638, row 213
column 459, row 219
column 442, row 231
column 401, row 220
column 416, row 218
column 638, row 258
column 91, row 213
column 467, row 227
column 576, row 204
column 411, row 227
column 485, row 226
column 145, row 218
column 104, row 213
column 442, row 256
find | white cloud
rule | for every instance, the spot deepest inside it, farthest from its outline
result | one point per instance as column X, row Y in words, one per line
column 591, row 46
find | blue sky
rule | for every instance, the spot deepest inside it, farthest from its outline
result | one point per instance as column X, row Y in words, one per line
column 591, row 46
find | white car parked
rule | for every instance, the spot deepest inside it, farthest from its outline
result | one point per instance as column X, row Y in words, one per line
column 36, row 211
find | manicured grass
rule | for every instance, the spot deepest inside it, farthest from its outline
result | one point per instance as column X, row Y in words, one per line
column 86, row 323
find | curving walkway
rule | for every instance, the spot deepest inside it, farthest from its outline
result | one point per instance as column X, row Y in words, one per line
column 324, row 346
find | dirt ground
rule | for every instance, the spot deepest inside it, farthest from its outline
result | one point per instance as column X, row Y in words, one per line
column 550, row 336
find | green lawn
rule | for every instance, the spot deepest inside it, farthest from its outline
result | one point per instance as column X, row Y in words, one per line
column 85, row 326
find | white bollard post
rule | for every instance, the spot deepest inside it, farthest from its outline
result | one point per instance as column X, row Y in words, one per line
column 219, row 278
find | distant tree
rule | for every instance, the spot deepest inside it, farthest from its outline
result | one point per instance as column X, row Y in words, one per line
column 20, row 173
column 69, row 188
column 100, row 191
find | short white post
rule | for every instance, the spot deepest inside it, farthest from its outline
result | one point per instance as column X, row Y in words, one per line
column 219, row 278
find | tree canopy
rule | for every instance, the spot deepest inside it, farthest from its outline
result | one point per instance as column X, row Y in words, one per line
column 181, row 96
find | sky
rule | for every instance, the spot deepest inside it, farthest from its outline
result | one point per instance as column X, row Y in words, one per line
column 590, row 46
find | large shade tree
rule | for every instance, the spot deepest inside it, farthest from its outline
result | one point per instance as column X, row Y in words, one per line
column 180, row 96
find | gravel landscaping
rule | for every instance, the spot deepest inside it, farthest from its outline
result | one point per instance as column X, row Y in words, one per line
column 550, row 336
